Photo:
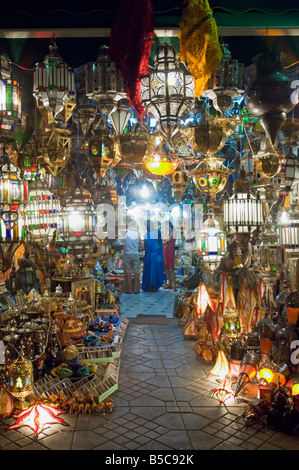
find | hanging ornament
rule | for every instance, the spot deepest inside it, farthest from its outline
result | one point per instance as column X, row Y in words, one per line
column 199, row 44
column 269, row 96
column 131, row 38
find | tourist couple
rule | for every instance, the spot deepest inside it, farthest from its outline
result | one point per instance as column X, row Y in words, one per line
column 158, row 260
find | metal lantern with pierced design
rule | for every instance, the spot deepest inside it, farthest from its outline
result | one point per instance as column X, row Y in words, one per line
column 168, row 91
column 10, row 102
column 54, row 88
column 20, row 380
column 211, row 243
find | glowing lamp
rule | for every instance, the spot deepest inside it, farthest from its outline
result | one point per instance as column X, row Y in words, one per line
column 288, row 230
column 232, row 324
column 161, row 166
column 203, row 299
column 243, row 210
column 77, row 225
column 265, row 375
column 266, row 337
column 221, row 368
column 211, row 243
column 37, row 417
column 248, row 370
column 281, row 375
column 20, row 380
column 295, row 389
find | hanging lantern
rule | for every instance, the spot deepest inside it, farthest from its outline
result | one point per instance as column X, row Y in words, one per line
column 133, row 145
column 26, row 276
column 211, row 176
column 54, row 150
column 101, row 152
column 77, row 225
column 211, row 243
column 291, row 169
column 10, row 102
column 168, row 91
column 288, row 230
column 120, row 116
column 242, row 211
column 159, row 160
column 210, row 135
column 269, row 95
column 54, row 87
column 104, row 82
column 40, row 213
column 20, row 380
column 269, row 161
column 180, row 180
column 12, row 192
column 267, row 252
column 226, row 83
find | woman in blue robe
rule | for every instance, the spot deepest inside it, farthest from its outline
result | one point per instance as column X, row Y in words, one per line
column 153, row 265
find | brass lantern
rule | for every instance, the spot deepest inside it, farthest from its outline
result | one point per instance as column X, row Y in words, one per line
column 55, row 150
column 211, row 176
column 227, row 82
column 77, row 225
column 168, row 91
column 104, row 82
column 20, row 380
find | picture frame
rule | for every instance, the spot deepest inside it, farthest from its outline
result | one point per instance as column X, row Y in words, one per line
column 83, row 292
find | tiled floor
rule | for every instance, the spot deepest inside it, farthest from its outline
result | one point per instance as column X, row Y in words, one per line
column 163, row 402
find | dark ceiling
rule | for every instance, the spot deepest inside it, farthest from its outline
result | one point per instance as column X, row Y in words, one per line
column 273, row 25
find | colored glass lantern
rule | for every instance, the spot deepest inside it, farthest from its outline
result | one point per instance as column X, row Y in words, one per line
column 40, row 213
column 104, row 82
column 281, row 375
column 161, row 165
column 168, row 91
column 292, row 307
column 12, row 193
column 10, row 96
column 54, row 87
column 101, row 152
column 211, row 243
column 203, row 299
column 265, row 373
column 20, row 380
column 77, row 225
column 120, row 116
column 210, row 176
column 231, row 320
column 243, row 211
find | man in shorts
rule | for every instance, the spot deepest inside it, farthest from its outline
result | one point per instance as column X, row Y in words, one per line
column 131, row 258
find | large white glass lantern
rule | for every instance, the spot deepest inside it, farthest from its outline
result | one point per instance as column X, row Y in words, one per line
column 54, row 86
column 288, row 230
column 243, row 211
column 168, row 91
column 211, row 243
column 77, row 225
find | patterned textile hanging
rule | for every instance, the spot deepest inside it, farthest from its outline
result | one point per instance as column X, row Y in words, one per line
column 131, row 39
column 199, row 44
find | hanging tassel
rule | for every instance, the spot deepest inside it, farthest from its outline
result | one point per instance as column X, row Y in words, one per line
column 199, row 45
column 131, row 40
